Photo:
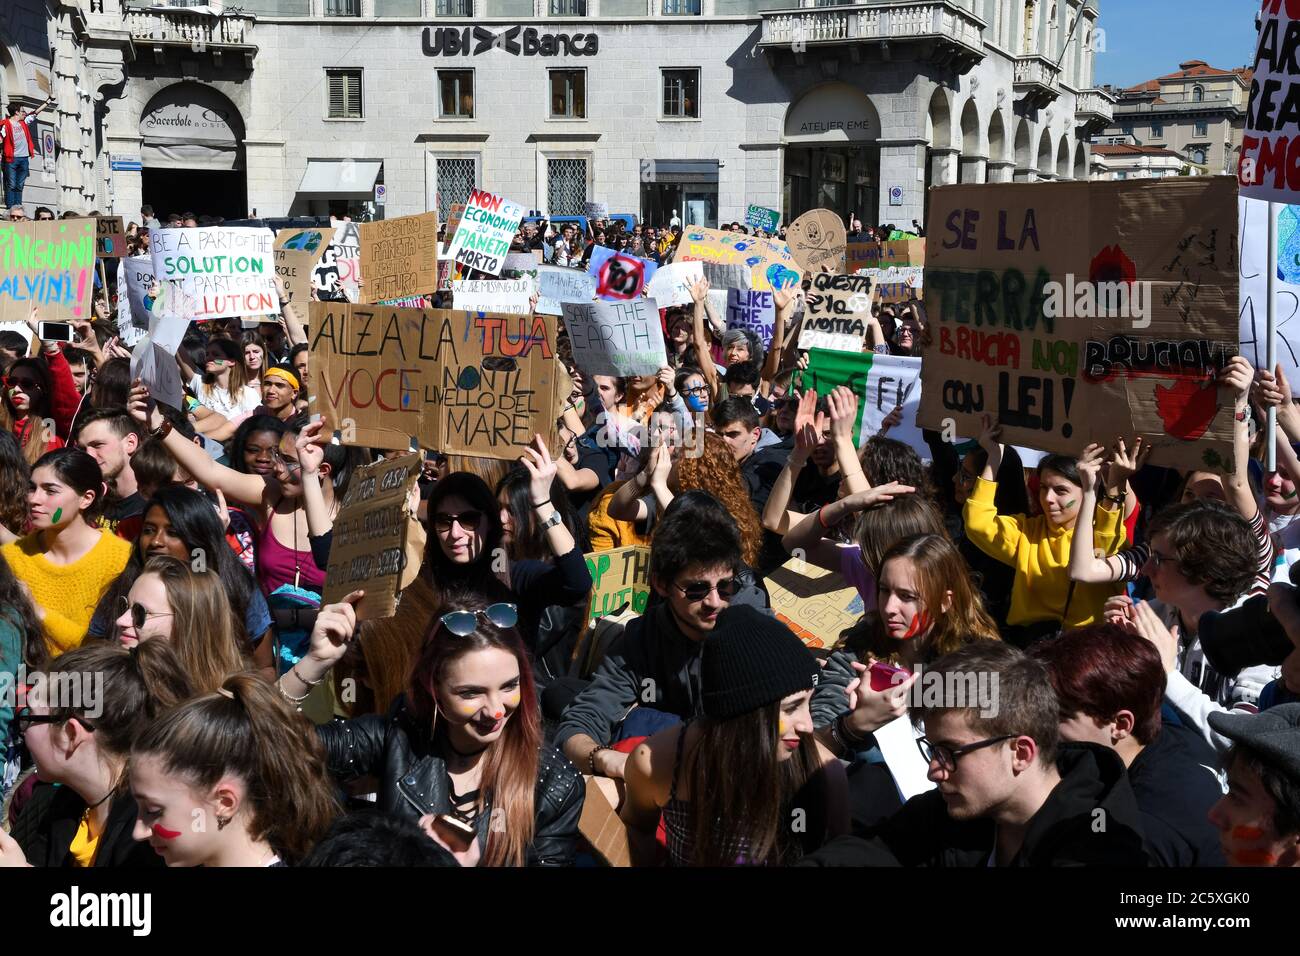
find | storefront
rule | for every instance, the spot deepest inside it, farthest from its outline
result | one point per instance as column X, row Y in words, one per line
column 191, row 146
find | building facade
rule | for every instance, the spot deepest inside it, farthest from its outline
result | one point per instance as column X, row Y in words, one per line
column 1126, row 160
column 653, row 107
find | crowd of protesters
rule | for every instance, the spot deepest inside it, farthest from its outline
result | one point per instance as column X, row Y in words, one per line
column 1138, row 626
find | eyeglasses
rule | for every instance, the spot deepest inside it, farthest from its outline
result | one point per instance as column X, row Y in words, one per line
column 948, row 756
column 139, row 613
column 697, row 390
column 462, row 623
column 468, row 520
column 24, row 719
column 290, row 465
column 1159, row 559
column 699, row 590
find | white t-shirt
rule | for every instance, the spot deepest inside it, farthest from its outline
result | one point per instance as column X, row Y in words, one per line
column 220, row 400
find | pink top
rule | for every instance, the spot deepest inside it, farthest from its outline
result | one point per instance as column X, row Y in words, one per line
column 276, row 564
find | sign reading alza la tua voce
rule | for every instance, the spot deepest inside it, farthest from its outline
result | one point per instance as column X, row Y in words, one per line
column 517, row 41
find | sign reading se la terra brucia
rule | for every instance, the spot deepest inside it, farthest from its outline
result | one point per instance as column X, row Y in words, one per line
column 526, row 41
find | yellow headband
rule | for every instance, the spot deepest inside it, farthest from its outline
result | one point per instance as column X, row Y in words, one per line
column 281, row 373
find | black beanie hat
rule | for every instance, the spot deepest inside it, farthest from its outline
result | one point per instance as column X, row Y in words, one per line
column 750, row 660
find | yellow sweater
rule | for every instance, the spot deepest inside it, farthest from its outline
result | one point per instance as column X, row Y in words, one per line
column 1041, row 556
column 606, row 532
column 67, row 592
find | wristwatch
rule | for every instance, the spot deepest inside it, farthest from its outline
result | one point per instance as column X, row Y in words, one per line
column 163, row 430
column 550, row 522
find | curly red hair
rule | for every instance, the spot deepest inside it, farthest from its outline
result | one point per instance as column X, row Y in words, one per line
column 715, row 471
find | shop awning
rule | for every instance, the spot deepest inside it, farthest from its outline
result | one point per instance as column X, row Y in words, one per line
column 340, row 178
column 686, row 171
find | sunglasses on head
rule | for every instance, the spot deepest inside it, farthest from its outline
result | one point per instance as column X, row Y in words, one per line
column 462, row 623
column 468, row 520
column 699, row 590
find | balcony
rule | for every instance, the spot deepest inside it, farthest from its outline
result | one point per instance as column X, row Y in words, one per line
column 1094, row 110
column 202, row 32
column 1036, row 80
column 938, row 30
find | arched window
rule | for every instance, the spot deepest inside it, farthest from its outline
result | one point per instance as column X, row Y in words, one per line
column 1198, row 156
column 1198, row 94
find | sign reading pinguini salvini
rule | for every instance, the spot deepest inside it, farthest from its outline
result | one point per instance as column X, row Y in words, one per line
column 517, row 41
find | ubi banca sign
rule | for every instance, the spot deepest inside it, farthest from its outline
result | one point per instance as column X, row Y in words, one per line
column 517, row 41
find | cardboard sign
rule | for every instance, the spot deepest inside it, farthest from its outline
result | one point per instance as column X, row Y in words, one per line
column 565, row 285
column 370, row 536
column 503, row 296
column 1270, row 144
column 152, row 365
column 829, row 369
column 296, row 253
column 814, row 603
column 482, row 240
column 760, row 217
column 616, row 338
column 770, row 261
column 110, row 237
column 1076, row 312
column 601, row 825
column 453, row 218
column 459, row 382
column 399, row 257
column 619, row 276
column 134, row 280
column 47, row 265
column 884, row 255
column 817, row 239
column 596, row 210
column 892, row 381
column 672, row 283
column 339, row 271
column 216, row 272
column 1252, row 231
column 836, row 311
column 753, row 312
column 729, row 276
column 897, row 284
column 619, row 577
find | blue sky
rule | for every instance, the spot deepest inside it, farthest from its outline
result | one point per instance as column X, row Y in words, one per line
column 1149, row 38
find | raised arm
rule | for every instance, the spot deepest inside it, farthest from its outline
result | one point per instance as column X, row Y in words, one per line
column 808, row 534
column 783, row 299
column 311, row 453
column 843, row 405
column 1237, row 376
column 1085, row 566
column 700, row 295
column 996, row 535
column 777, row 517
column 541, row 473
column 290, row 315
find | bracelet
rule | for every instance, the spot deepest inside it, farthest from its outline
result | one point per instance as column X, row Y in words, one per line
column 294, row 671
column 538, row 504
column 279, row 685
column 591, row 757
column 821, row 520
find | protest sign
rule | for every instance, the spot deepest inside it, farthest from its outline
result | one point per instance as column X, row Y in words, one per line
column 894, row 380
column 399, row 257
column 616, row 338
column 601, row 825
column 503, row 296
column 672, row 283
column 814, row 603
column 897, row 283
column 884, row 255
column 760, row 217
column 47, row 265
column 110, row 237
column 1076, row 312
column 770, row 261
column 817, row 240
column 565, row 285
column 619, row 577
column 153, row 366
column 371, row 531
column 296, row 253
column 619, row 276
column 482, row 240
column 828, row 369
column 732, row 275
column 134, row 280
column 1267, row 167
column 522, row 261
column 460, row 382
column 217, row 271
column 753, row 312
column 596, row 210
column 836, row 312
column 339, row 271
column 453, row 218
column 1252, row 232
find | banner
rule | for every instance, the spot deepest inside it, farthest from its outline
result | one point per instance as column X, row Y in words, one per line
column 894, row 380
column 1252, row 232
column 296, row 253
column 897, row 283
column 828, row 369
column 836, row 311
column 339, row 272
column 110, row 237
column 616, row 338
column 1269, row 163
column 565, row 285
column 884, row 255
column 619, row 276
column 814, row 603
column 753, row 312
column 486, row 230
column 817, row 240
column 620, row 576
column 460, row 383
column 399, row 257
column 216, row 272
column 503, row 296
column 370, row 537
column 1076, row 312
column 49, row 266
column 760, row 217
column 672, row 283
column 770, row 261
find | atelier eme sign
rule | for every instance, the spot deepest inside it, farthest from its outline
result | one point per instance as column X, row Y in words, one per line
column 517, row 41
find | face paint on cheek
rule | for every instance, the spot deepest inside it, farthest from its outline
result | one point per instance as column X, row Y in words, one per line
column 162, row 831
column 58, row 513
column 1068, row 505
column 920, row 624
column 1289, row 495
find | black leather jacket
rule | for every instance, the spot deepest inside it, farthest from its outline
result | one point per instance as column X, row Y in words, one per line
column 398, row 750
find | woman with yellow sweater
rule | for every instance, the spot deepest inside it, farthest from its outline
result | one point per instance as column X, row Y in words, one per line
column 1043, row 598
column 66, row 562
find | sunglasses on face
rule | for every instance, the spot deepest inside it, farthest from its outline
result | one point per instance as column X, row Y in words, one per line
column 468, row 520
column 699, row 590
column 26, row 384
column 462, row 623
column 139, row 613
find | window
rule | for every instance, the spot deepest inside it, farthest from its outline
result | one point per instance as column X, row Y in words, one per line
column 682, row 93
column 454, row 8
column 566, row 186
column 568, row 8
column 344, row 94
column 456, row 178
column 1202, row 129
column 568, row 95
column 342, row 8
column 456, row 94
column 1198, row 156
column 681, row 8
column 1157, row 130
column 1198, row 94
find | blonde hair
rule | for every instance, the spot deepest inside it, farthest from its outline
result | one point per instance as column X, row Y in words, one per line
column 203, row 623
